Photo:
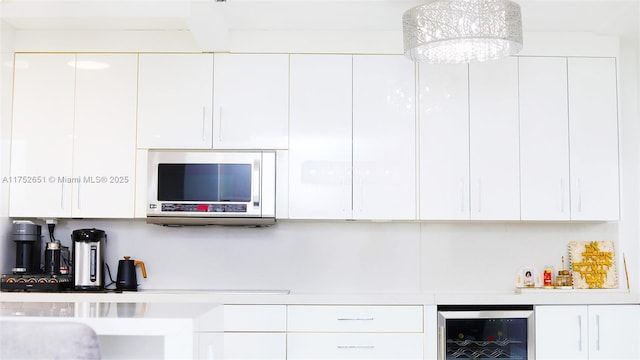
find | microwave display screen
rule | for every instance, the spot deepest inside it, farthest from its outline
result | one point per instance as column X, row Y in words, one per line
column 204, row 182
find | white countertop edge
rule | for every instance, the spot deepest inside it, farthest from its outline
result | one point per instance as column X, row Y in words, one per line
column 533, row 297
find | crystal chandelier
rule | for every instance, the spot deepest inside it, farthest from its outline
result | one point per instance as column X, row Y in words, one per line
column 457, row 31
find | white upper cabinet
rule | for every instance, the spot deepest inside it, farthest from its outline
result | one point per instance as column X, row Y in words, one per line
column 320, row 137
column 42, row 135
column 494, row 140
column 251, row 101
column 544, row 139
column 444, row 142
column 593, row 129
column 74, row 133
column 175, row 99
column 536, row 139
column 569, row 139
column 384, row 138
column 352, row 137
column 105, row 136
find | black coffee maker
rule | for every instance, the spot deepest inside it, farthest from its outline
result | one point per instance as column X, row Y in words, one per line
column 28, row 239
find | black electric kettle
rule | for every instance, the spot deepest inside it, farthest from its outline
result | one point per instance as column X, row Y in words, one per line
column 127, row 279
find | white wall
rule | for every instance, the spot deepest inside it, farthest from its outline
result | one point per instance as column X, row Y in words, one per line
column 344, row 256
column 7, row 258
column 299, row 256
column 629, row 231
column 487, row 256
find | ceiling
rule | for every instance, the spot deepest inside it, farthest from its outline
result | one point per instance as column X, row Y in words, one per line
column 602, row 17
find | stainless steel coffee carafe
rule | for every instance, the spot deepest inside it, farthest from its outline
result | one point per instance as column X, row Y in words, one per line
column 88, row 258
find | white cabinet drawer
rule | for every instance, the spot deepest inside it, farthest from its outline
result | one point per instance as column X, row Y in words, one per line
column 255, row 318
column 332, row 318
column 354, row 346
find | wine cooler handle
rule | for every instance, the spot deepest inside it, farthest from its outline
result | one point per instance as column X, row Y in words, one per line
column 443, row 343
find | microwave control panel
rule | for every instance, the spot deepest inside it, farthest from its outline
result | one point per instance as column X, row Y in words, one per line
column 204, row 208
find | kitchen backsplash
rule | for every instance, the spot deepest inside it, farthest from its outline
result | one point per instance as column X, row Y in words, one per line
column 332, row 256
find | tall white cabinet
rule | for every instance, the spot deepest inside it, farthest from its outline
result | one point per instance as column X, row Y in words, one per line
column 469, row 159
column 42, row 134
column 569, row 139
column 527, row 138
column 444, row 142
column 384, row 137
column 493, row 145
column 544, row 138
column 73, row 138
column 320, row 137
column 593, row 125
column 104, row 137
column 352, row 137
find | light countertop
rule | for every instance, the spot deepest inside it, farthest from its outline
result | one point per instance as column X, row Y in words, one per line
column 277, row 296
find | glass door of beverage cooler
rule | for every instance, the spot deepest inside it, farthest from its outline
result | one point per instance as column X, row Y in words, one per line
column 485, row 332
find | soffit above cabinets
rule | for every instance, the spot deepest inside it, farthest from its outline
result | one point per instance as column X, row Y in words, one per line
column 218, row 19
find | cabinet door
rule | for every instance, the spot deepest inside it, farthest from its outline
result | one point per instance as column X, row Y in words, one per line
column 561, row 332
column 384, row 138
column 493, row 127
column 593, row 129
column 175, row 97
column 614, row 331
column 104, row 149
column 444, row 142
column 320, row 137
column 42, row 135
column 251, row 100
column 544, row 139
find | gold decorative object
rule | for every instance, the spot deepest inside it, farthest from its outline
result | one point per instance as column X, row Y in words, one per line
column 593, row 264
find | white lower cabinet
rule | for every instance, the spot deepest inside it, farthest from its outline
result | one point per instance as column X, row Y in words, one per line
column 587, row 332
column 255, row 346
column 250, row 332
column 278, row 332
column 355, row 332
column 354, row 346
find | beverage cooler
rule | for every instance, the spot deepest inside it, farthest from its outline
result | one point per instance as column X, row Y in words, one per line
column 486, row 332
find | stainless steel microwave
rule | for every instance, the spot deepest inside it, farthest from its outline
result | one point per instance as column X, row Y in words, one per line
column 191, row 187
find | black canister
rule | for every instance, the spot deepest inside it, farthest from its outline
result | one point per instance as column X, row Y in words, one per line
column 52, row 258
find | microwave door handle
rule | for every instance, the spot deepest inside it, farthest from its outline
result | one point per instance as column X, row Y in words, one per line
column 256, row 183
